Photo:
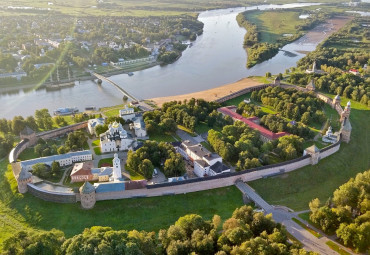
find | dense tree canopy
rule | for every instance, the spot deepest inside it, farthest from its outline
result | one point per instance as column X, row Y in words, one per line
column 347, row 213
column 246, row 232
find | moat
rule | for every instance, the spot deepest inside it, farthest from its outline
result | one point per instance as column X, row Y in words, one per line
column 216, row 58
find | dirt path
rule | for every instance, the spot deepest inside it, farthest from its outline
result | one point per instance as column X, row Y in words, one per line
column 210, row 94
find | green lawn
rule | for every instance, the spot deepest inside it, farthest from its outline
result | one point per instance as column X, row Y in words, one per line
column 202, row 127
column 336, row 248
column 97, row 150
column 105, row 160
column 298, row 188
column 186, row 130
column 27, row 154
column 112, row 113
column 96, row 143
column 151, row 214
column 237, row 100
column 272, row 25
column 162, row 138
column 319, row 144
column 135, row 176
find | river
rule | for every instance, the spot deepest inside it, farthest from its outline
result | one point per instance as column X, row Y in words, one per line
column 216, row 58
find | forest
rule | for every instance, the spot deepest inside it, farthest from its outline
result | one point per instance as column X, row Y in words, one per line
column 245, row 232
column 347, row 213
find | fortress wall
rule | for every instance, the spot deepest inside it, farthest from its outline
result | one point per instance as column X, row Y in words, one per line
column 242, row 92
column 207, row 183
column 51, row 196
column 14, row 153
column 329, row 150
column 61, row 131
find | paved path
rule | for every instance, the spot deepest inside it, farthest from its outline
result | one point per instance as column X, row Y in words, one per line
column 185, row 136
column 309, row 241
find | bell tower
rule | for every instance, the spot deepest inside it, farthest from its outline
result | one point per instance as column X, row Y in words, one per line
column 117, row 174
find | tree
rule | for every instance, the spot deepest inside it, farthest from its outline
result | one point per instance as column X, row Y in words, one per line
column 43, row 119
column 174, row 165
column 55, row 168
column 146, row 168
column 18, row 124
column 41, row 170
column 306, row 118
column 32, row 242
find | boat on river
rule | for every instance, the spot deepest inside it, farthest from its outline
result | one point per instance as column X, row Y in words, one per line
column 58, row 84
column 130, row 74
column 65, row 111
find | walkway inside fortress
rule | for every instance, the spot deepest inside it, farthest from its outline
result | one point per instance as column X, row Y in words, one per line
column 283, row 216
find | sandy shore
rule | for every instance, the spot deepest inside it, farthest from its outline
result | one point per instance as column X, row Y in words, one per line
column 210, row 94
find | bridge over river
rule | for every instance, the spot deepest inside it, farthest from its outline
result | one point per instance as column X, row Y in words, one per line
column 141, row 104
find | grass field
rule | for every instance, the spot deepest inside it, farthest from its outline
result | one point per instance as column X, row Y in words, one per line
column 188, row 131
column 162, row 138
column 105, row 161
column 26, row 211
column 272, row 25
column 298, row 188
column 336, row 248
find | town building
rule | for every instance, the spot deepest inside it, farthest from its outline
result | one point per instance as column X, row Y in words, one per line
column 17, row 75
column 265, row 134
column 314, row 69
column 63, row 159
column 93, row 123
column 354, row 72
column 205, row 162
column 115, row 139
column 330, row 137
column 127, row 113
column 85, row 171
column 138, row 126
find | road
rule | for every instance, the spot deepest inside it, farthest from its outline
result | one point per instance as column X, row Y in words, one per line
column 281, row 215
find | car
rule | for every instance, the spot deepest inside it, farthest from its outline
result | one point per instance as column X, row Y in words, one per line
column 155, row 172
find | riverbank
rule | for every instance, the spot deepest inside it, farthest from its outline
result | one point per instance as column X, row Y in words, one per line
column 210, row 94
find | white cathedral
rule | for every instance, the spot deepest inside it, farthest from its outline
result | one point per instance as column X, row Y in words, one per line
column 115, row 139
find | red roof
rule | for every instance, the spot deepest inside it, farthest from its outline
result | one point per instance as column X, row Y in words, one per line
column 264, row 131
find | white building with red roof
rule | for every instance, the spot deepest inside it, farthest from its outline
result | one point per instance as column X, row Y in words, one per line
column 265, row 134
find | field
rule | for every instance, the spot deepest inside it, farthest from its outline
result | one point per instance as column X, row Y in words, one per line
column 298, row 188
column 25, row 211
column 129, row 7
column 273, row 25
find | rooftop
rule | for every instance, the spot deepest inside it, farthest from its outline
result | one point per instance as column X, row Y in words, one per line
column 109, row 187
column 219, row 167
column 87, row 188
column 264, row 131
column 54, row 158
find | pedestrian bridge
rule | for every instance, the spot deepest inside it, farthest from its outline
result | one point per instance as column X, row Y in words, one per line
column 124, row 92
column 252, row 195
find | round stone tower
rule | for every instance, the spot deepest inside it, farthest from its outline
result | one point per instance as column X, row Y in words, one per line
column 87, row 192
column 24, row 177
column 346, row 112
column 336, row 100
column 346, row 130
